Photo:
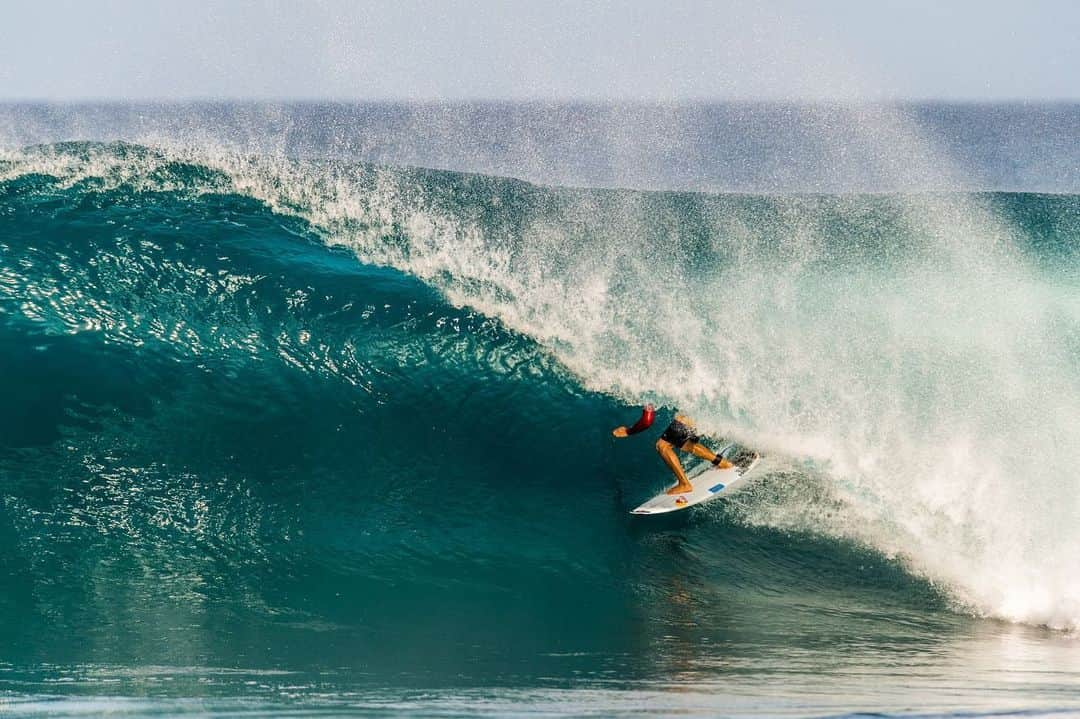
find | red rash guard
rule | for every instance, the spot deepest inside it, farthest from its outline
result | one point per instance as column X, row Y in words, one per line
column 647, row 417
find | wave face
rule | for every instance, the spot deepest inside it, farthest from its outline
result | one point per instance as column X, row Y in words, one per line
column 225, row 439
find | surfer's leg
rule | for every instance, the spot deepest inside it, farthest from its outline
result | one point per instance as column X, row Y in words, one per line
column 667, row 453
column 700, row 450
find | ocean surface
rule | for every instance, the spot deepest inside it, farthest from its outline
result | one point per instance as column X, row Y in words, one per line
column 307, row 410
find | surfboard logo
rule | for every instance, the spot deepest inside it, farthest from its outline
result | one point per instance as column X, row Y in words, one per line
column 680, row 500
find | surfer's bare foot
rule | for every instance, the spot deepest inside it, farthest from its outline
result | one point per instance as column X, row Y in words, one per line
column 681, row 488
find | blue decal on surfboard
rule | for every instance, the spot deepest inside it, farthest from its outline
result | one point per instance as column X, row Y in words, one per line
column 716, row 489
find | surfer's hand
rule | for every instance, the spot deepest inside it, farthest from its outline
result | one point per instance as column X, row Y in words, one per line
column 620, row 432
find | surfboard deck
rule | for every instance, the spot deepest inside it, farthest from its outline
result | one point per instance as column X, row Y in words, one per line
column 709, row 482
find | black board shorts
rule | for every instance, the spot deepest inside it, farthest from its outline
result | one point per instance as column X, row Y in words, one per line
column 679, row 434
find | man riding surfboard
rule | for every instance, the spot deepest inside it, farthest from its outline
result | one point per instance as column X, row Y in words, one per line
column 680, row 433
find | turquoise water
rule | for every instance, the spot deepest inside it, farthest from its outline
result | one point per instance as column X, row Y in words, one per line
column 316, row 438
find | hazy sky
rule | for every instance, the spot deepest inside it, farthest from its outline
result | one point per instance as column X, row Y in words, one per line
column 670, row 50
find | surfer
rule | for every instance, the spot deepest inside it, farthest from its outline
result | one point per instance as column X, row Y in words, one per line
column 680, row 433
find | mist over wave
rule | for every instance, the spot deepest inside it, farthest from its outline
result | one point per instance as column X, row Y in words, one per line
column 711, row 147
column 907, row 361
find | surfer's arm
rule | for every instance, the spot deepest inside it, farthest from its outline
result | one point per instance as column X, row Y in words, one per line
column 647, row 417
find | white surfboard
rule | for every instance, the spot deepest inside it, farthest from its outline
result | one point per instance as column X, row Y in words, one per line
column 709, row 482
